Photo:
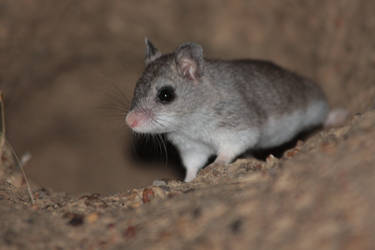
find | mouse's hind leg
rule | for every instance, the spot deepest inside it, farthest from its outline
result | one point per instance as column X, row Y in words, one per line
column 226, row 155
column 232, row 145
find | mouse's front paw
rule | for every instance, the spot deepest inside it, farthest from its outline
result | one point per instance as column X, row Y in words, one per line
column 191, row 173
column 189, row 177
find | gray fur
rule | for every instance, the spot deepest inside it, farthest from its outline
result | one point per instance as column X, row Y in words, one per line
column 224, row 107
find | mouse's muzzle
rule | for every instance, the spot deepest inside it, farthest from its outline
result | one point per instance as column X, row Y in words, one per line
column 136, row 119
column 146, row 121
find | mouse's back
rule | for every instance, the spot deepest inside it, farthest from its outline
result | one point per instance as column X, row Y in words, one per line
column 275, row 89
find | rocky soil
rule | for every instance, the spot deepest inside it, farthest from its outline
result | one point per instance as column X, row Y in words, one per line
column 319, row 195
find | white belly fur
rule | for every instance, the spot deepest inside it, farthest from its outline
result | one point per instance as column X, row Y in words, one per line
column 279, row 130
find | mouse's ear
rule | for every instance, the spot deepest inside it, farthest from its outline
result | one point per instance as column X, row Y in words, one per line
column 189, row 61
column 152, row 52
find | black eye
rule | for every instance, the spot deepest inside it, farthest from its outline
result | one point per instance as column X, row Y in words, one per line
column 166, row 95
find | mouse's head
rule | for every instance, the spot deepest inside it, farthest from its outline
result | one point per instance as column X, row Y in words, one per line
column 168, row 90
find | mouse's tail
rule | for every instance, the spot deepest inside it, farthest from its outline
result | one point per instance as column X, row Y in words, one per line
column 336, row 117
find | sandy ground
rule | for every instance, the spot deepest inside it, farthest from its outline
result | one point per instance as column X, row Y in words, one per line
column 319, row 195
column 67, row 70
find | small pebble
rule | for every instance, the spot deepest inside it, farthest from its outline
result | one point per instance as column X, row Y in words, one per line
column 271, row 161
column 91, row 218
column 291, row 153
column 159, row 183
column 135, row 205
column 160, row 192
column 147, row 195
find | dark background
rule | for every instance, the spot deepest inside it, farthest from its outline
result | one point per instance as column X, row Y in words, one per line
column 68, row 69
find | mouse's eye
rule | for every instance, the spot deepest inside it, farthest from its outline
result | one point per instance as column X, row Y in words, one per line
column 166, row 95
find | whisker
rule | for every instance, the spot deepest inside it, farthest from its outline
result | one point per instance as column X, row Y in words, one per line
column 156, row 140
column 163, row 143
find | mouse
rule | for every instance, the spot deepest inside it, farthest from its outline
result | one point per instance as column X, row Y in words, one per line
column 222, row 108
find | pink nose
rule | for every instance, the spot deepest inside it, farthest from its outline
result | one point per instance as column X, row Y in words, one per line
column 134, row 119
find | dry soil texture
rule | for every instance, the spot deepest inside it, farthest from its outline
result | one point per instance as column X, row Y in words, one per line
column 319, row 195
